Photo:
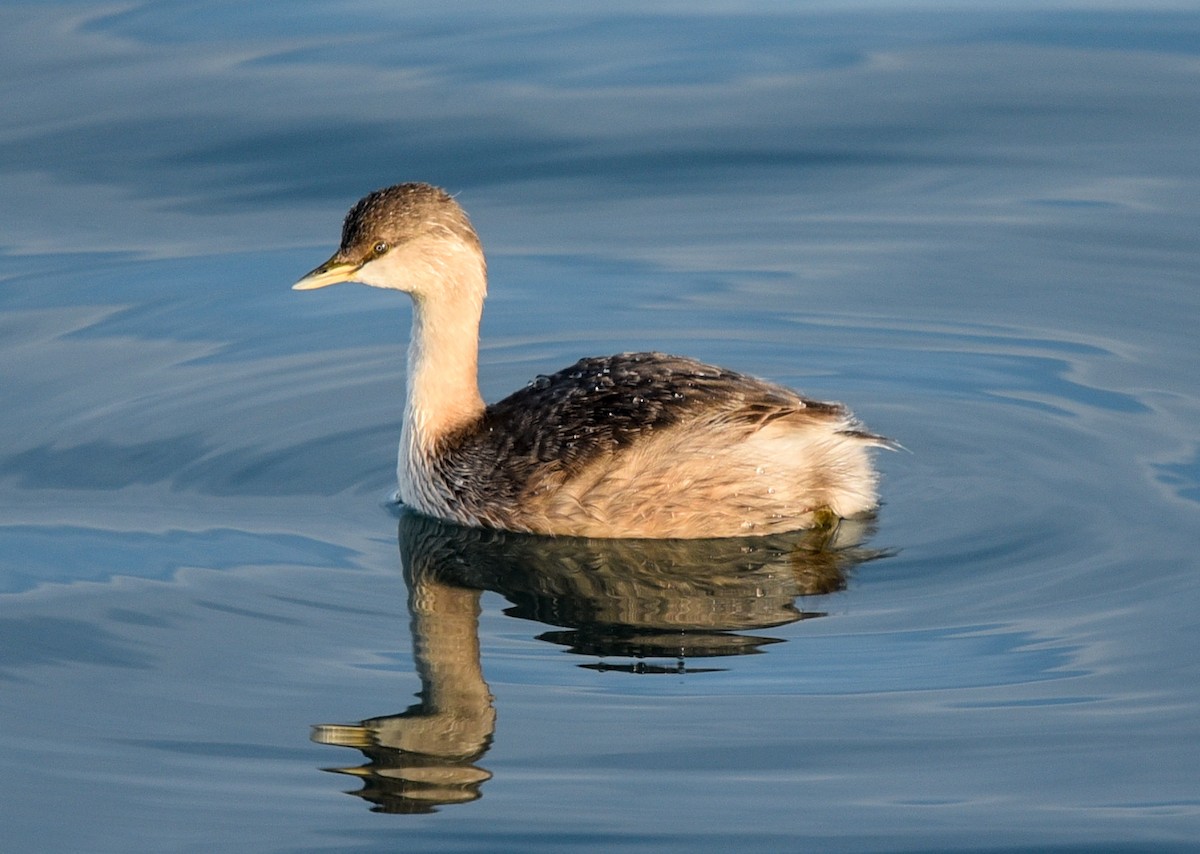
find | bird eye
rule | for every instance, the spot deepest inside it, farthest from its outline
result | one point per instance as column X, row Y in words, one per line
column 380, row 247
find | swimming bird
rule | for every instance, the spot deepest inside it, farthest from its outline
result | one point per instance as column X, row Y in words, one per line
column 631, row 445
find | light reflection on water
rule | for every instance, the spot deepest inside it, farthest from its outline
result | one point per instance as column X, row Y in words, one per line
column 691, row 603
column 978, row 229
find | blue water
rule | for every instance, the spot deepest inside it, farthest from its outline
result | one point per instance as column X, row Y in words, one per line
column 977, row 226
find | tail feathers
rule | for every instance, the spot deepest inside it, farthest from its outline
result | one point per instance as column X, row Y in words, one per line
column 873, row 439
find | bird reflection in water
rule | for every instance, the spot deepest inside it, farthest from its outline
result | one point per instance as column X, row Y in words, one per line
column 632, row 600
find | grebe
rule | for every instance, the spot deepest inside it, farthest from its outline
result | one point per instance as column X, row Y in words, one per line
column 631, row 445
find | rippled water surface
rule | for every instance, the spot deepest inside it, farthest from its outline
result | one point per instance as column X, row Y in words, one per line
column 977, row 227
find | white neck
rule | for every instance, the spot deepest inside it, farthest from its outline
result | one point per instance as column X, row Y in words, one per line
column 443, row 369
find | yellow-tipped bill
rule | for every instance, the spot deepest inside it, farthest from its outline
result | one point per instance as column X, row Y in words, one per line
column 331, row 272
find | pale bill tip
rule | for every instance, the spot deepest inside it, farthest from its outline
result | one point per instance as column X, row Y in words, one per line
column 326, row 275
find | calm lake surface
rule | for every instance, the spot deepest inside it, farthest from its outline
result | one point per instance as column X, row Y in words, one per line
column 979, row 227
